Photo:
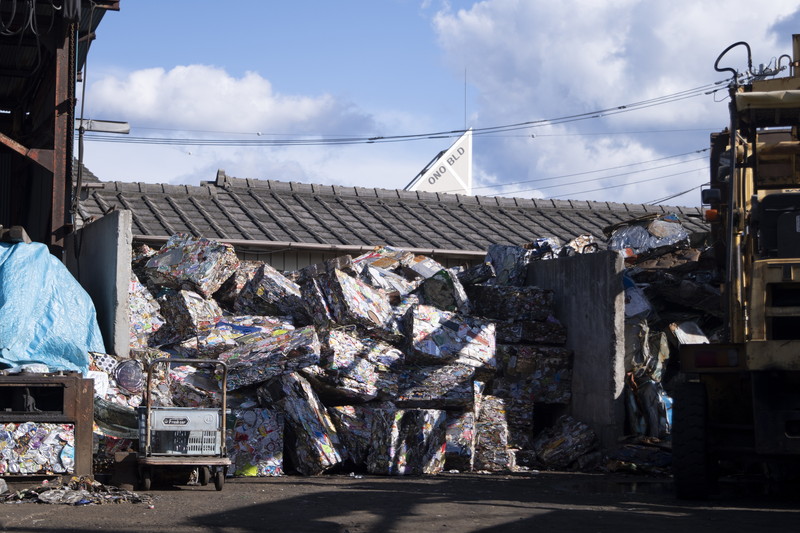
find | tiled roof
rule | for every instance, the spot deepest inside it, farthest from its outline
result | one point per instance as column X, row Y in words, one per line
column 262, row 211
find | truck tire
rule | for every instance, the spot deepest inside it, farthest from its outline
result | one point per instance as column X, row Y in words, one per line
column 692, row 465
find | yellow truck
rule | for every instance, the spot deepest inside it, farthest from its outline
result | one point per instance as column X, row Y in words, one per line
column 740, row 401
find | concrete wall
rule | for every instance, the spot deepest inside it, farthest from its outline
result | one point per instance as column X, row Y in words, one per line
column 590, row 302
column 99, row 256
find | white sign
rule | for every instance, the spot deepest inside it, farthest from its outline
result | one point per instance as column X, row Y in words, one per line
column 450, row 171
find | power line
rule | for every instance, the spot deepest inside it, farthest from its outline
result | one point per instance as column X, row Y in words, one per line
column 627, row 184
column 320, row 140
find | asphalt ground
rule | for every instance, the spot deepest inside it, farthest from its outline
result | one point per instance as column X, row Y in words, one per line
column 531, row 501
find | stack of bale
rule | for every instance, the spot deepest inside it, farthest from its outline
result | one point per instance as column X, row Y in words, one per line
column 388, row 362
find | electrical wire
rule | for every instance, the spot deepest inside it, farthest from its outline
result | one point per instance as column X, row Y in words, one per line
column 624, row 184
column 677, row 194
column 320, row 140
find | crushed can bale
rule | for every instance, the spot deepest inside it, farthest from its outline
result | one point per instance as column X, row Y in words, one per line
column 314, row 444
column 438, row 337
column 354, row 425
column 255, row 443
column 187, row 312
column 492, row 452
column 263, row 359
column 232, row 288
column 230, row 332
column 547, row 368
column 480, row 273
column 561, row 445
column 510, row 264
column 184, row 262
column 387, row 280
column 270, row 293
column 407, row 442
column 421, row 266
column 145, row 314
column 511, row 303
column 460, row 432
column 436, row 387
column 548, row 331
column 444, row 291
column 37, row 448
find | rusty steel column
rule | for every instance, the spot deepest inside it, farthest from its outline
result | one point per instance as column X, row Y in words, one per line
column 63, row 127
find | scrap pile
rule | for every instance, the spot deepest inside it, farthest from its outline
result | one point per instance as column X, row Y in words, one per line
column 672, row 297
column 387, row 362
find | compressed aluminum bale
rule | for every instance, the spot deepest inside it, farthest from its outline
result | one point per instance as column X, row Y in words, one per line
column 37, row 448
column 421, row 266
column 407, row 442
column 268, row 357
column 480, row 273
column 460, row 432
column 187, row 312
column 548, row 368
column 357, row 383
column 511, row 303
column 544, row 248
column 314, row 443
column 387, row 280
column 369, row 361
column 354, row 426
column 436, row 387
column 198, row 264
column 313, row 291
column 510, row 264
column 548, row 331
column 386, row 257
column 437, row 337
column 255, row 442
column 229, row 292
column 354, row 302
column 145, row 314
column 232, row 331
column 560, row 445
column 444, row 291
column 492, row 452
column 271, row 293
column 190, row 386
column 520, row 395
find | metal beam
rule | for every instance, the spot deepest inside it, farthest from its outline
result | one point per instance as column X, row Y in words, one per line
column 41, row 156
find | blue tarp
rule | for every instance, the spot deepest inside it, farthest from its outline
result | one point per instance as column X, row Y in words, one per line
column 45, row 315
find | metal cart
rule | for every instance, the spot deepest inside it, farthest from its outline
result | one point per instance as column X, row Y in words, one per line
column 190, row 437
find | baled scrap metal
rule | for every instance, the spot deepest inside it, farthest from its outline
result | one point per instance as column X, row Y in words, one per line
column 582, row 244
column 185, row 262
column 354, row 302
column 548, row 368
column 192, row 386
column 650, row 234
column 387, row 280
column 345, row 354
column 386, row 257
column 354, row 426
column 436, row 387
column 510, row 264
column 563, row 443
column 544, row 248
column 492, row 452
column 407, row 442
column 548, row 331
column 444, row 291
column 511, row 303
column 479, row 273
column 232, row 331
column 145, row 314
column 187, row 312
column 460, row 432
column 37, row 448
column 357, row 383
column 313, row 291
column 520, row 395
column 316, row 444
column 263, row 359
column 229, row 292
column 271, row 293
column 438, row 337
column 421, row 266
column 255, row 442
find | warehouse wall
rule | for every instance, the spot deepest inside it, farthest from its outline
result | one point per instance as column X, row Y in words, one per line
column 99, row 257
column 590, row 302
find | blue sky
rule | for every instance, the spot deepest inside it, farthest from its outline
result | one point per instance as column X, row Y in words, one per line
column 363, row 68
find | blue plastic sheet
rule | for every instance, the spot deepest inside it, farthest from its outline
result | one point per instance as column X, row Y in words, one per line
column 45, row 315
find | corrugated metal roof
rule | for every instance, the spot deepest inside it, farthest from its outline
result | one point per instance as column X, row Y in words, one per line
column 263, row 211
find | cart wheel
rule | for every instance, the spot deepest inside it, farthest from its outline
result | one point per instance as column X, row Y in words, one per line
column 204, row 475
column 147, row 479
column 219, row 478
